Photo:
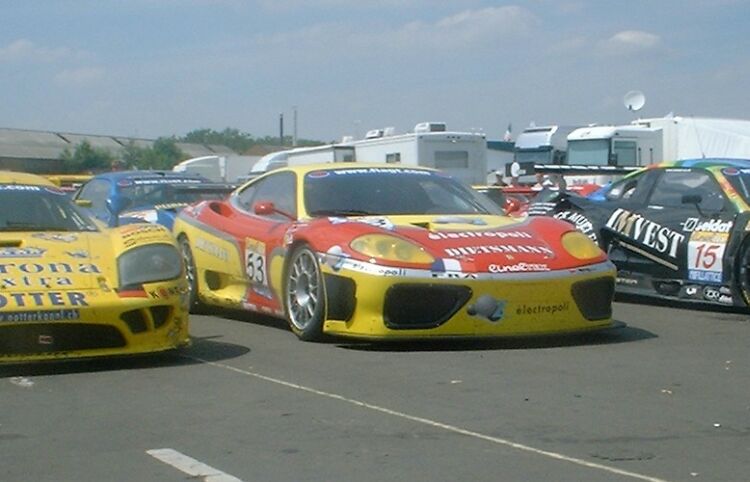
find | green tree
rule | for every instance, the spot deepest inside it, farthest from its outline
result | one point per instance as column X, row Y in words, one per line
column 164, row 154
column 86, row 158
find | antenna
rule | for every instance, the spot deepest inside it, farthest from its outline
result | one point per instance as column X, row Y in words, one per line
column 634, row 100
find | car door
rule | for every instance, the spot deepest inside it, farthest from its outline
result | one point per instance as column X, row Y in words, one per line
column 260, row 236
column 659, row 238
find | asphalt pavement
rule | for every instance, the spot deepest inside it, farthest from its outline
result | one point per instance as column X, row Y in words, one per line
column 665, row 398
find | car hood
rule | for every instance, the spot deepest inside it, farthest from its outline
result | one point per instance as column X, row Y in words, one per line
column 56, row 261
column 482, row 243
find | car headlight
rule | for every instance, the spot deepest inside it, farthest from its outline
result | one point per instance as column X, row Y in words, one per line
column 580, row 246
column 390, row 248
column 147, row 264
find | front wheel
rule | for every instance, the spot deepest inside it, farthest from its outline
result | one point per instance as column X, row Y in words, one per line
column 304, row 295
column 743, row 272
column 191, row 273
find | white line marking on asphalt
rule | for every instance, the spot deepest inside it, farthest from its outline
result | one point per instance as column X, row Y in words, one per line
column 191, row 466
column 435, row 424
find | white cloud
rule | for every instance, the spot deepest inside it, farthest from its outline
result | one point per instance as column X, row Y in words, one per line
column 80, row 76
column 27, row 51
column 470, row 29
column 630, row 42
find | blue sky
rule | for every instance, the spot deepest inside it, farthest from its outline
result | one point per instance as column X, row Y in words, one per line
column 151, row 68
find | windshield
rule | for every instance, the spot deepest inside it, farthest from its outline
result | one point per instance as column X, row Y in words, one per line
column 537, row 156
column 151, row 192
column 39, row 208
column 378, row 191
column 592, row 152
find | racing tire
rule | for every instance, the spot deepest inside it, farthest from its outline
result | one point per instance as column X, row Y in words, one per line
column 304, row 295
column 191, row 274
column 743, row 272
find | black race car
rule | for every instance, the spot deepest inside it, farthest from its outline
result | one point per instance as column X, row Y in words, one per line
column 678, row 230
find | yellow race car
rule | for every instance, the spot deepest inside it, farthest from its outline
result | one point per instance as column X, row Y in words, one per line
column 379, row 251
column 70, row 287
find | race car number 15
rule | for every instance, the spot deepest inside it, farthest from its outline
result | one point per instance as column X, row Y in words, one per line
column 255, row 261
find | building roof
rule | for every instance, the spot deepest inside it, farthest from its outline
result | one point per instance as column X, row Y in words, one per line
column 48, row 145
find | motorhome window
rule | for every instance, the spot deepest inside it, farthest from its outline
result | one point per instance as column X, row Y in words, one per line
column 626, row 153
column 541, row 156
column 591, row 152
column 452, row 159
column 393, row 158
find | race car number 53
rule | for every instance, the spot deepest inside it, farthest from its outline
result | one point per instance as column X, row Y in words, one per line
column 255, row 261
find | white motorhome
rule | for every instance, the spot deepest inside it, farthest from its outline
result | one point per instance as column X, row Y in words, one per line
column 671, row 138
column 218, row 168
column 320, row 154
column 543, row 144
column 460, row 154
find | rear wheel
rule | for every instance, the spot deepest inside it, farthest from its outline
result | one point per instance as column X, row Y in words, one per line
column 304, row 295
column 191, row 273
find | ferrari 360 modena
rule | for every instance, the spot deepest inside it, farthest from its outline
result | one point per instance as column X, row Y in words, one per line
column 390, row 252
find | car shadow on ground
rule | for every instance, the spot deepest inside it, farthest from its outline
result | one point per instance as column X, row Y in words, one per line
column 616, row 335
column 203, row 349
column 707, row 308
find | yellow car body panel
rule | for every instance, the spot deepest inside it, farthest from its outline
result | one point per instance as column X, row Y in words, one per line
column 60, row 295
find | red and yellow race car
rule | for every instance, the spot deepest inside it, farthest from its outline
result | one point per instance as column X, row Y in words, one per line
column 72, row 288
column 380, row 251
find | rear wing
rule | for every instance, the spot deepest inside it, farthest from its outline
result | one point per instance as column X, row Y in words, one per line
column 584, row 170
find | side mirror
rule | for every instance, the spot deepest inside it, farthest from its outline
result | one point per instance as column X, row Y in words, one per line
column 691, row 198
column 264, row 208
column 511, row 205
column 267, row 208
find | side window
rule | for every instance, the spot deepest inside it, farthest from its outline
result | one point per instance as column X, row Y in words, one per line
column 702, row 190
column 633, row 188
column 96, row 191
column 280, row 189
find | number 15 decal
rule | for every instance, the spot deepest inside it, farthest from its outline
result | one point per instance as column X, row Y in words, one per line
column 255, row 261
column 705, row 256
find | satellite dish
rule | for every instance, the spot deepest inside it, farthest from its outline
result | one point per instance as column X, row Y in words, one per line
column 634, row 100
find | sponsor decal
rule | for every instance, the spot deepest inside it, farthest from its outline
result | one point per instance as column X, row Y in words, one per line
column 459, row 220
column 379, row 170
column 20, row 269
column 211, row 249
column 40, row 315
column 726, row 299
column 692, row 290
column 626, row 281
column 711, row 226
column 499, row 249
column 705, row 255
column 581, row 222
column 544, row 308
column 378, row 222
column 79, row 253
column 63, row 238
column 436, row 236
column 140, row 233
column 646, row 232
column 488, row 308
column 11, row 252
column 39, row 299
column 170, row 206
column 453, row 275
column 164, row 292
column 519, row 267
column 335, row 257
column 163, row 180
column 19, row 187
column 711, row 294
column 255, row 262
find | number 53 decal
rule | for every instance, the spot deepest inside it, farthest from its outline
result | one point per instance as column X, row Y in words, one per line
column 255, row 261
